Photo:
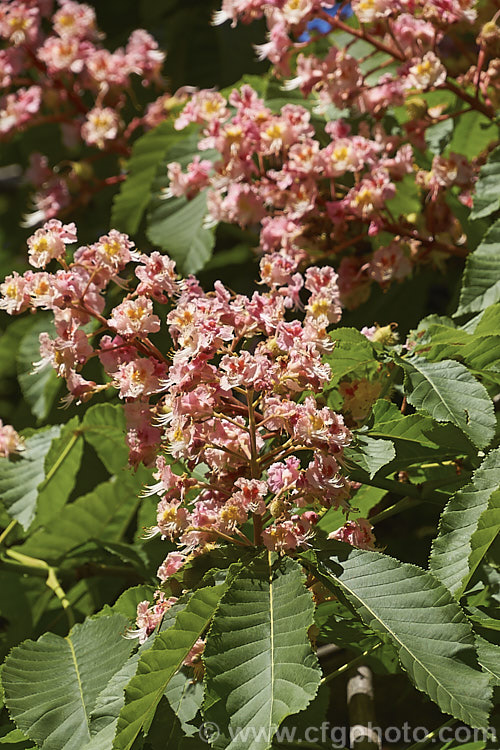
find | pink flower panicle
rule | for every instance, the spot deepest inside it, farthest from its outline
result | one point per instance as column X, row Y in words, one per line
column 61, row 50
column 228, row 397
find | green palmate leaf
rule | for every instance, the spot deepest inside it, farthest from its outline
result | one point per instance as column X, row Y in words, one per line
column 104, row 428
column 103, row 514
column 488, row 322
column 353, row 355
column 10, row 340
column 21, row 477
column 481, row 280
column 477, row 349
column 407, row 199
column 259, row 664
column 370, row 454
column 39, row 388
column 489, row 658
column 127, row 602
column 479, row 618
column 488, row 529
column 487, row 194
column 159, row 663
column 472, row 134
column 148, row 151
column 419, row 615
column 51, row 685
column 62, row 463
column 23, row 600
column 449, row 393
column 108, row 705
column 185, row 697
column 167, row 732
column 452, row 549
column 177, row 224
column 416, row 437
column 15, row 739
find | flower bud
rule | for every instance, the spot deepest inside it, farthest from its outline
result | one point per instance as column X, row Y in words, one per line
column 416, row 108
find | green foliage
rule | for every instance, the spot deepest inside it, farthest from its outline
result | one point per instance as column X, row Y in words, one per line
column 52, row 685
column 148, row 151
column 417, row 613
column 61, row 466
column 489, row 659
column 104, row 428
column 158, row 665
column 448, row 392
column 472, row 134
column 259, row 663
column 415, row 437
column 481, row 284
column 487, row 195
column 103, row 514
column 39, row 388
column 370, row 454
column 353, row 355
column 177, row 224
column 458, row 548
column 20, row 479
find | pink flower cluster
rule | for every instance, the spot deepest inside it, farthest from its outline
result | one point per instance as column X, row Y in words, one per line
column 52, row 62
column 315, row 191
column 310, row 195
column 256, row 461
column 410, row 29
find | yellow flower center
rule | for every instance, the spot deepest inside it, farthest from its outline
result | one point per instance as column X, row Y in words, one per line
column 363, row 198
column 169, row 515
column 320, row 307
column 66, row 20
column 275, row 130
column 316, row 422
column 111, row 248
column 136, row 313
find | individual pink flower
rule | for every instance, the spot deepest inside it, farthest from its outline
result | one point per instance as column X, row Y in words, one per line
column 149, row 616
column 49, row 242
column 280, row 537
column 157, row 276
column 10, row 441
column 101, row 125
column 284, row 475
column 18, row 108
column 143, row 438
column 427, row 72
column 140, row 377
column 368, row 11
column 172, row 563
column 74, row 20
column 20, row 24
column 107, row 69
column 143, row 55
column 12, row 61
column 204, row 107
column 250, row 495
column 134, row 317
column 113, row 250
column 359, row 533
column 193, row 659
column 389, row 263
column 15, row 294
